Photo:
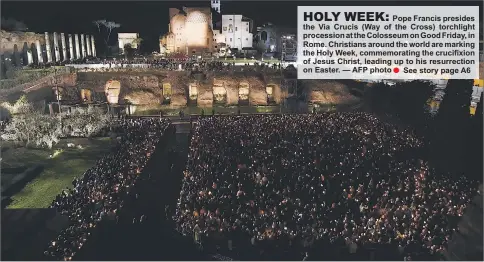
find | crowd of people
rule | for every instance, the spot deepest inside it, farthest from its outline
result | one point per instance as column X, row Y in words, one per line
column 181, row 64
column 100, row 192
column 296, row 181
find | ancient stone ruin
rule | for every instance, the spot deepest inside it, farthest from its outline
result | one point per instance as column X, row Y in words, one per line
column 25, row 48
column 180, row 89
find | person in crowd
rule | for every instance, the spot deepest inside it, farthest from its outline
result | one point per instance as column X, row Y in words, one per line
column 102, row 190
column 306, row 181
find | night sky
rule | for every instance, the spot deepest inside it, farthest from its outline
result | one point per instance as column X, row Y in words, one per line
column 150, row 19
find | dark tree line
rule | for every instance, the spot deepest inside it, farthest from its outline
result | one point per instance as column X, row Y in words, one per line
column 453, row 137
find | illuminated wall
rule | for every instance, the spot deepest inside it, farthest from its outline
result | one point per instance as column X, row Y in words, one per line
column 191, row 33
column 112, row 90
column 193, row 91
column 244, row 91
column 219, row 92
column 198, row 33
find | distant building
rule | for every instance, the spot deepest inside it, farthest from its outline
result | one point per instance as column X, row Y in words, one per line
column 190, row 31
column 288, row 47
column 127, row 38
column 215, row 4
column 268, row 39
column 237, row 30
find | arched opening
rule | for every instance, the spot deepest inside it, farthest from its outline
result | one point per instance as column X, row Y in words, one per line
column 35, row 55
column 58, row 91
column 166, row 93
column 193, row 93
column 263, row 36
column 291, row 86
column 26, row 57
column 16, row 56
column 86, row 96
column 244, row 93
column 112, row 90
column 219, row 93
column 270, row 93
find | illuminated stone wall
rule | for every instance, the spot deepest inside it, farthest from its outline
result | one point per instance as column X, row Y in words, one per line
column 25, row 48
column 189, row 32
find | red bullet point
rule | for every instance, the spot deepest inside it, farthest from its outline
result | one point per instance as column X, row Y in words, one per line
column 396, row 70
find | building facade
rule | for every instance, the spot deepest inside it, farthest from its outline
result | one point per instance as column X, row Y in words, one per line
column 189, row 32
column 127, row 38
column 268, row 39
column 289, row 47
column 237, row 30
column 215, row 4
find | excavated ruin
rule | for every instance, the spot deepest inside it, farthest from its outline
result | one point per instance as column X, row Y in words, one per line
column 326, row 92
column 177, row 88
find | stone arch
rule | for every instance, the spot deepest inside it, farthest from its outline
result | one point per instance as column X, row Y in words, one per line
column 167, row 92
column 244, row 89
column 16, row 55
column 86, row 95
column 193, row 92
column 263, row 36
column 219, row 92
column 112, row 91
column 270, row 90
column 35, row 56
column 25, row 54
column 58, row 92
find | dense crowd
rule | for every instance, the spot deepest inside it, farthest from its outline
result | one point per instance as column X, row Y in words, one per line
column 180, row 64
column 345, row 179
column 100, row 192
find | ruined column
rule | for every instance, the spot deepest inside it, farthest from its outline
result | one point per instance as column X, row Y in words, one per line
column 83, row 46
column 56, row 48
column 71, row 48
column 64, row 47
column 93, row 46
column 30, row 57
column 78, row 47
column 88, row 45
column 40, row 58
column 47, row 48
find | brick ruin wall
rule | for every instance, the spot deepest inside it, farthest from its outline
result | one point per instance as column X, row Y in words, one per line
column 20, row 39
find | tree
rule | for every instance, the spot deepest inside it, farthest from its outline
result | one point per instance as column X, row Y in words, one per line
column 109, row 26
column 99, row 24
column 32, row 127
column 451, row 127
column 20, row 106
column 128, row 51
column 137, row 42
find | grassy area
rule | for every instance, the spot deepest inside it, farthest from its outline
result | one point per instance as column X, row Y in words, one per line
column 58, row 172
